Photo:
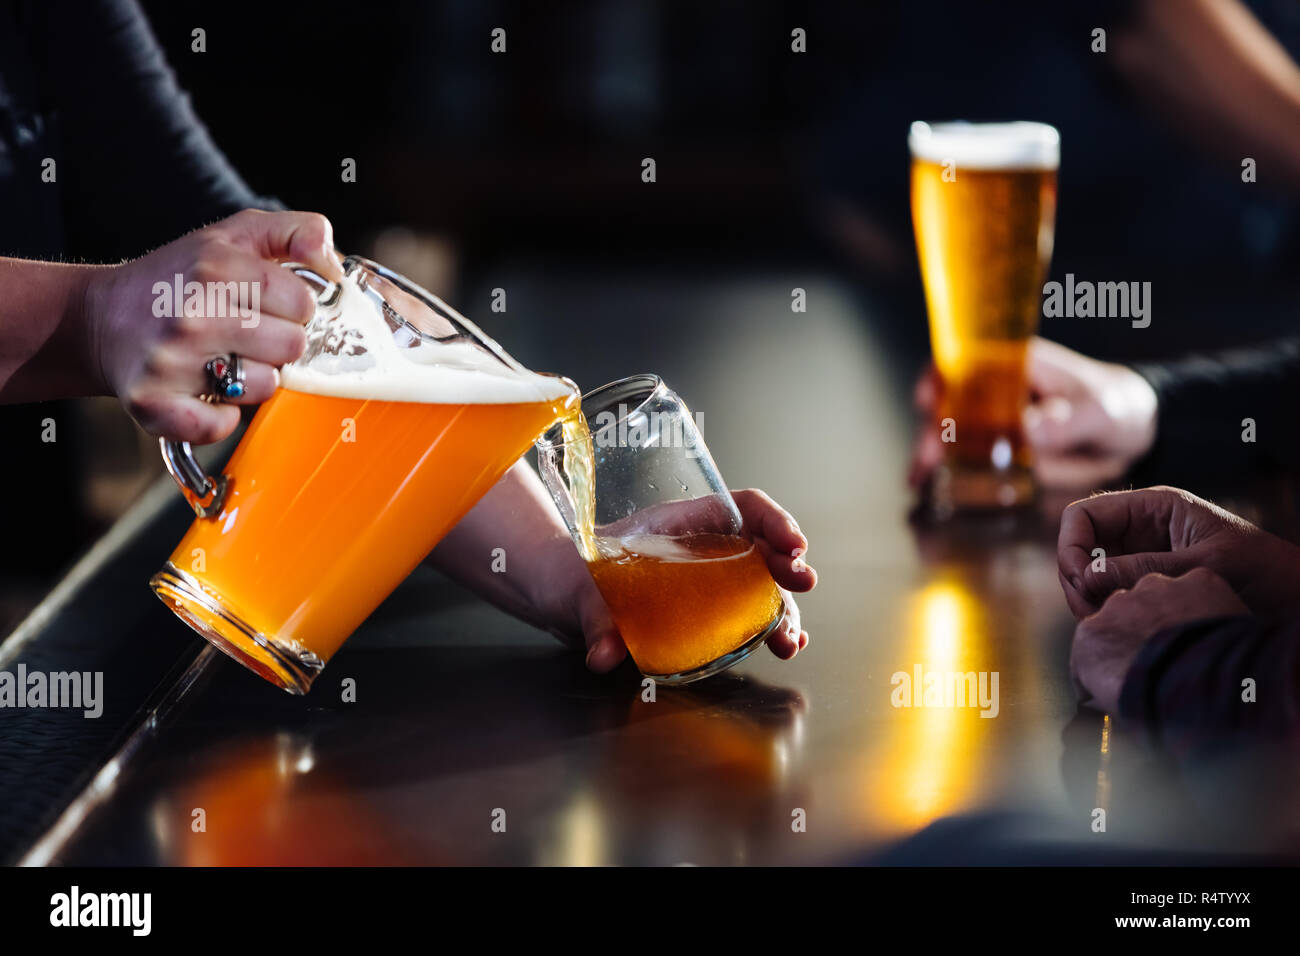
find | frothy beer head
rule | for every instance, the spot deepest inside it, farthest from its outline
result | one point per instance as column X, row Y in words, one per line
column 358, row 353
column 662, row 547
column 988, row 146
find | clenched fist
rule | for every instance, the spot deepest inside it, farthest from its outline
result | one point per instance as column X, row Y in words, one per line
column 1171, row 532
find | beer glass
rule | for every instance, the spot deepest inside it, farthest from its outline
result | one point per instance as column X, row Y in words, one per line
column 397, row 418
column 659, row 531
column 984, row 212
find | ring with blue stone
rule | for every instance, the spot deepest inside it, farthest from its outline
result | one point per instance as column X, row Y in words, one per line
column 227, row 375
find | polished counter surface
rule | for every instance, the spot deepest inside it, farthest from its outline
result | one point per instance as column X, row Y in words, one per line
column 474, row 739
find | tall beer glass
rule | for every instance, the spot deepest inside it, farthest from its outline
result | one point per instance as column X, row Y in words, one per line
column 659, row 531
column 393, row 423
column 984, row 213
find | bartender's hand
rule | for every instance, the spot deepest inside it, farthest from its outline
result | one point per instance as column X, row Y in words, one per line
column 1088, row 422
column 1171, row 532
column 155, row 365
column 1106, row 642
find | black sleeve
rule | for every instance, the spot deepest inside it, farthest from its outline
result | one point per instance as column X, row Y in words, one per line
column 1204, row 400
column 1187, row 685
column 137, row 167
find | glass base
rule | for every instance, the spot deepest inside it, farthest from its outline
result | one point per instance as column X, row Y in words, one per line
column 955, row 488
column 286, row 664
column 723, row 662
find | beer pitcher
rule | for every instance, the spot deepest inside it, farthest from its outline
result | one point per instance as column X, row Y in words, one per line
column 397, row 418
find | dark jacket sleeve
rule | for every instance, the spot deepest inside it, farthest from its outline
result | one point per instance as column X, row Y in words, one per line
column 137, row 167
column 1188, row 686
column 1205, row 402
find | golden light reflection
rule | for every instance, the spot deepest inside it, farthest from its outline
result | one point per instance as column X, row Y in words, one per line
column 944, row 610
column 581, row 835
column 1103, row 766
column 931, row 762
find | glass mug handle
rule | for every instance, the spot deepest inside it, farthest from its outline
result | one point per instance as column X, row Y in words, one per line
column 206, row 493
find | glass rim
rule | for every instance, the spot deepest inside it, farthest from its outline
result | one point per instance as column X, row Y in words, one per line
column 654, row 386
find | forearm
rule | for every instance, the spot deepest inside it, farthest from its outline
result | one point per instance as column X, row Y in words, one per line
column 510, row 548
column 1200, row 60
column 105, row 74
column 47, row 344
column 1210, row 401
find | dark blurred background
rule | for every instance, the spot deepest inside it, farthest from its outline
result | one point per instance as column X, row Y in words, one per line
column 522, row 171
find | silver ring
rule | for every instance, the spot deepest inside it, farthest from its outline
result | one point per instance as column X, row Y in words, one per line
column 226, row 373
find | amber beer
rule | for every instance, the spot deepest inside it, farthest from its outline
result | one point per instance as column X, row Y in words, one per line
column 324, row 517
column 342, row 484
column 683, row 602
column 984, row 211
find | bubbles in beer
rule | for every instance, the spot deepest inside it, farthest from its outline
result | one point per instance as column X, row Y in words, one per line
column 684, row 601
column 672, row 548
